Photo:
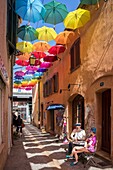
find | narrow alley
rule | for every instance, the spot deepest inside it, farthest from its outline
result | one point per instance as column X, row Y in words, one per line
column 41, row 151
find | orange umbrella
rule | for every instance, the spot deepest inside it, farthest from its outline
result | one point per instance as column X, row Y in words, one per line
column 64, row 37
column 41, row 46
column 24, row 56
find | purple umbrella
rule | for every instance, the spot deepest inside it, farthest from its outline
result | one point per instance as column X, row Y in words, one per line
column 29, row 72
column 42, row 70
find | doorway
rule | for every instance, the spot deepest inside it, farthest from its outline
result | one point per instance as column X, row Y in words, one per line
column 52, row 119
column 106, row 121
column 78, row 110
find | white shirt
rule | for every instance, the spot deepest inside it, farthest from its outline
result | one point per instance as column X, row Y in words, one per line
column 78, row 135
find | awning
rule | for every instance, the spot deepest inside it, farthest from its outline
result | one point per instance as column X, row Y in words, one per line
column 55, row 107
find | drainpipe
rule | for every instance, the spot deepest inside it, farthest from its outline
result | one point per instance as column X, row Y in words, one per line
column 39, row 104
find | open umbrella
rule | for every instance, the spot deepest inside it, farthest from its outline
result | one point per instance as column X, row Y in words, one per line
column 50, row 58
column 57, row 49
column 24, row 56
column 19, row 73
column 29, row 72
column 32, row 68
column 38, row 54
column 89, row 2
column 22, row 62
column 42, row 70
column 18, row 77
column 55, row 12
column 46, row 33
column 24, row 47
column 64, row 37
column 30, row 10
column 27, row 33
column 46, row 65
column 41, row 46
column 77, row 18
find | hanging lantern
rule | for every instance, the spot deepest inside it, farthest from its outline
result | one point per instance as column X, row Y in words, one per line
column 32, row 60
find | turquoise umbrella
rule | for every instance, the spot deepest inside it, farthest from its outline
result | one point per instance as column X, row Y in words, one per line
column 30, row 10
column 55, row 12
column 89, row 2
column 27, row 33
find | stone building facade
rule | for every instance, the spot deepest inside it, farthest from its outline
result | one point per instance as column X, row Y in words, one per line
column 89, row 98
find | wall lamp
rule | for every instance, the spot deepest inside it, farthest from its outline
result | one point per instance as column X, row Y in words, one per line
column 32, row 60
column 64, row 90
column 69, row 85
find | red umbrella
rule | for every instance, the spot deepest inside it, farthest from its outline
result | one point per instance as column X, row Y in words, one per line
column 50, row 58
column 46, row 65
column 22, row 62
column 38, row 54
column 57, row 49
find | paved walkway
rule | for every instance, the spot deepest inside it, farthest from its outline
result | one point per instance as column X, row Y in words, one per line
column 40, row 151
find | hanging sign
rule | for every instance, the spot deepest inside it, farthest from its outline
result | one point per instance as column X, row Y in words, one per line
column 3, row 70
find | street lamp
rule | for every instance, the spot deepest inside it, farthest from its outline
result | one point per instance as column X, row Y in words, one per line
column 32, row 60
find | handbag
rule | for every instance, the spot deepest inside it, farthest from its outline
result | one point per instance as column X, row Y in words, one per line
column 23, row 125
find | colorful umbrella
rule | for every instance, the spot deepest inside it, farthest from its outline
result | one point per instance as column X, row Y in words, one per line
column 24, row 56
column 46, row 65
column 29, row 72
column 77, row 18
column 64, row 37
column 17, row 82
column 42, row 70
column 19, row 73
column 41, row 46
column 37, row 74
column 57, row 49
column 22, row 62
column 31, row 10
column 50, row 58
column 39, row 54
column 55, row 12
column 46, row 33
column 32, row 68
column 24, row 83
column 24, row 47
column 16, row 85
column 27, row 33
column 18, row 77
column 28, row 88
column 89, row 2
column 37, row 62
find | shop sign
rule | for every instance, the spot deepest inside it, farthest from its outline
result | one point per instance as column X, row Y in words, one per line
column 3, row 70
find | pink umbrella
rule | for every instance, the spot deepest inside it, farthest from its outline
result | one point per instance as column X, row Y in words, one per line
column 57, row 49
column 28, row 88
column 33, row 68
column 46, row 65
column 19, row 73
column 22, row 62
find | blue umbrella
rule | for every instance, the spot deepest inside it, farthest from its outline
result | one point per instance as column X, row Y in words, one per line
column 27, row 33
column 30, row 10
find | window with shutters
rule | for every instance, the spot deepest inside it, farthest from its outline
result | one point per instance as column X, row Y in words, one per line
column 75, row 55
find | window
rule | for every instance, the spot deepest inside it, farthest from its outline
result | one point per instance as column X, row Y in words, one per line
column 11, row 25
column 75, row 55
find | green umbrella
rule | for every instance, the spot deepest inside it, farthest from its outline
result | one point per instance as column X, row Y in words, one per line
column 55, row 12
column 89, row 2
column 27, row 33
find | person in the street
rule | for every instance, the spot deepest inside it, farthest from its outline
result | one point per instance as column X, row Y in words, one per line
column 19, row 123
column 89, row 147
column 77, row 134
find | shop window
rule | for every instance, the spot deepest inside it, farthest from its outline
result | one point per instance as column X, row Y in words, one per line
column 75, row 55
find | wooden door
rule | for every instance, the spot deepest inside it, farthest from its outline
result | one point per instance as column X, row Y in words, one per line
column 78, row 110
column 106, row 121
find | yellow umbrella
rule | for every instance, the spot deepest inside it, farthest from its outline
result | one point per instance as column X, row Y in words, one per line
column 77, row 18
column 46, row 33
column 41, row 46
column 64, row 37
column 24, row 47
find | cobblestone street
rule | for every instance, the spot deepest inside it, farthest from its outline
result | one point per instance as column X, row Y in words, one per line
column 40, row 151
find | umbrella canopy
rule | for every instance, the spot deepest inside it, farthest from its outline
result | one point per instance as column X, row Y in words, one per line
column 30, row 10
column 57, row 49
column 29, row 72
column 89, row 2
column 46, row 65
column 50, row 58
column 27, row 33
column 38, row 54
column 19, row 73
column 17, row 82
column 42, row 70
column 28, row 88
column 24, row 56
column 37, row 74
column 22, row 62
column 32, row 68
column 77, row 18
column 18, row 77
column 41, row 46
column 64, row 37
column 55, row 12
column 46, row 33
column 24, row 47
